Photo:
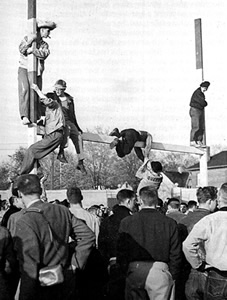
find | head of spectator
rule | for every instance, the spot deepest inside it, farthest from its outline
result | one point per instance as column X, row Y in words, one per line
column 184, row 208
column 173, row 204
column 28, row 188
column 192, row 205
column 74, row 196
column 156, row 166
column 15, row 202
column 207, row 197
column 160, row 206
column 95, row 210
column 222, row 196
column 65, row 203
column 126, row 198
column 148, row 197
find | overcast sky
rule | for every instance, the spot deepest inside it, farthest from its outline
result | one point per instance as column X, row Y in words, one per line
column 126, row 63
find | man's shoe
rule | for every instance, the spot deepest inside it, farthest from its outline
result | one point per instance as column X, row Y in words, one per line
column 114, row 143
column 25, row 121
column 81, row 167
column 41, row 121
column 201, row 145
column 195, row 144
column 61, row 158
column 115, row 132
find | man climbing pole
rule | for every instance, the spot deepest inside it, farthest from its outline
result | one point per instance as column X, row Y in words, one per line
column 41, row 52
column 126, row 139
column 54, row 124
column 72, row 128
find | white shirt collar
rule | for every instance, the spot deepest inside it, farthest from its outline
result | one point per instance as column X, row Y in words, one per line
column 29, row 204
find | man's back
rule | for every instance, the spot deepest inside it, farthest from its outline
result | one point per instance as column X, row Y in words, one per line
column 192, row 218
column 151, row 236
column 35, row 229
column 92, row 221
column 176, row 215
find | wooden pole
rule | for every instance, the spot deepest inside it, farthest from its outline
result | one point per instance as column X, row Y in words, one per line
column 32, row 76
column 203, row 167
column 32, row 60
column 199, row 59
column 199, row 65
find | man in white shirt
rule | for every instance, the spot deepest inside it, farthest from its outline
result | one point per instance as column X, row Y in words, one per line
column 206, row 249
column 75, row 198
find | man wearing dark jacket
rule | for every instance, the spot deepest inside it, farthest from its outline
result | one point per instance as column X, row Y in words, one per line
column 73, row 129
column 149, row 251
column 197, row 105
column 41, row 239
column 107, row 241
column 126, row 139
column 12, row 209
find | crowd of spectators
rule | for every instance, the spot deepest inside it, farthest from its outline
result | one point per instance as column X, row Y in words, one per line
column 141, row 248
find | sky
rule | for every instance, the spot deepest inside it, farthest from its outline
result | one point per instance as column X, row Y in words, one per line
column 128, row 64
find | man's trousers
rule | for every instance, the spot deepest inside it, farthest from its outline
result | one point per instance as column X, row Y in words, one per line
column 197, row 124
column 73, row 133
column 40, row 149
column 149, row 280
column 24, row 92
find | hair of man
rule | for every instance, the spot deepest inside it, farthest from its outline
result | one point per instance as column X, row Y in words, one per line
column 223, row 192
column 74, row 195
column 206, row 193
column 124, row 195
column 191, row 204
column 12, row 200
column 149, row 196
column 174, row 203
column 156, row 166
column 28, row 184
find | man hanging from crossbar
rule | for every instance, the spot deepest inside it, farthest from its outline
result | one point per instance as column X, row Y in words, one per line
column 126, row 139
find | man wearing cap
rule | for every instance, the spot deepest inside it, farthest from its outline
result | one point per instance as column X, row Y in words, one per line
column 74, row 131
column 41, row 52
column 197, row 105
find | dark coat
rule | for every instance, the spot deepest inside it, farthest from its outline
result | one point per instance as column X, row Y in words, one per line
column 70, row 113
column 12, row 210
column 149, row 236
column 108, row 234
column 35, row 249
column 198, row 99
column 6, row 255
